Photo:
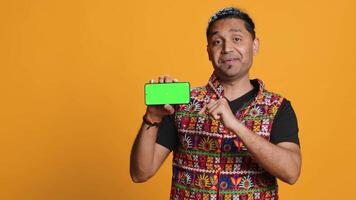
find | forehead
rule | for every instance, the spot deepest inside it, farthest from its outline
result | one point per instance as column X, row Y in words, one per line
column 228, row 24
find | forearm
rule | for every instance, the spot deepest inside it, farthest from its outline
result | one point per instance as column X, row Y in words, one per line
column 278, row 161
column 142, row 153
column 146, row 156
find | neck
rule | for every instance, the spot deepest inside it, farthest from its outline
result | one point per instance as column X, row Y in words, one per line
column 234, row 89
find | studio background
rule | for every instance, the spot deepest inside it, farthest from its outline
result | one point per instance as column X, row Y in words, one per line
column 72, row 76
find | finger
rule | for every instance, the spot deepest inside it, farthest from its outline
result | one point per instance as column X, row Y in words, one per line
column 214, row 96
column 169, row 108
column 213, row 107
column 202, row 110
column 161, row 79
column 222, row 105
column 167, row 79
column 175, row 80
column 152, row 81
column 211, row 104
column 216, row 113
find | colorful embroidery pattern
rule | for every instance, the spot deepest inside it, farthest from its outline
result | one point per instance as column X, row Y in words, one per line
column 211, row 162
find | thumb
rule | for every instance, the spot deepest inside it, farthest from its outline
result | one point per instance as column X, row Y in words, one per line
column 202, row 110
column 169, row 108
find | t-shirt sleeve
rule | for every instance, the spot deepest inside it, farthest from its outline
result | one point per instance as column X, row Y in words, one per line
column 285, row 125
column 167, row 133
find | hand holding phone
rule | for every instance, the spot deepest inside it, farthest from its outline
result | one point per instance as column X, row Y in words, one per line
column 167, row 93
column 159, row 96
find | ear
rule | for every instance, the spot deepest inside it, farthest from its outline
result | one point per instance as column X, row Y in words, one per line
column 208, row 50
column 255, row 46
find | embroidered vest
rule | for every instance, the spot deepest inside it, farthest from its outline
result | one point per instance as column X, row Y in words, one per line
column 210, row 162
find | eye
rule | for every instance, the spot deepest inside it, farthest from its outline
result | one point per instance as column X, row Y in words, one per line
column 216, row 42
column 237, row 39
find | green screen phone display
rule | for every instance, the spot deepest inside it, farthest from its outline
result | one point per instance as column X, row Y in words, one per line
column 167, row 93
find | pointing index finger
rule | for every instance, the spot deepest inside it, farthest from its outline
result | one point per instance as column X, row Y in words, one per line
column 202, row 110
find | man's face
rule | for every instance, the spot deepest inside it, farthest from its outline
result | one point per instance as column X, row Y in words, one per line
column 231, row 48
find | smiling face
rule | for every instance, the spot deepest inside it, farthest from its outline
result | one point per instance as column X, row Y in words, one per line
column 231, row 49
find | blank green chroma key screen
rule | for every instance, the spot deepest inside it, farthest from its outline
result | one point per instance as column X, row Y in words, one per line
column 167, row 93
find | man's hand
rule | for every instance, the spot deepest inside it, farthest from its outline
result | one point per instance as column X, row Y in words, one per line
column 146, row 155
column 220, row 109
column 156, row 113
column 281, row 160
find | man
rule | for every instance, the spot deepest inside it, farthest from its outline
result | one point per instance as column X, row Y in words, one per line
column 234, row 138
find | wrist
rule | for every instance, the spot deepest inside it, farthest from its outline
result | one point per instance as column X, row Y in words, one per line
column 235, row 126
column 150, row 123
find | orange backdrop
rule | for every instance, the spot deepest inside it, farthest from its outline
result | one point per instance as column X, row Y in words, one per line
column 72, row 76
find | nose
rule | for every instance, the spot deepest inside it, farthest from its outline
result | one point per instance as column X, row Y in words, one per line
column 227, row 47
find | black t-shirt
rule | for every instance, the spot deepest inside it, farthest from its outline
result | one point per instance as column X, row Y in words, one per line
column 284, row 127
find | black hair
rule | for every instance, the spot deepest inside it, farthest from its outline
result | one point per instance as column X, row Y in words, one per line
column 232, row 12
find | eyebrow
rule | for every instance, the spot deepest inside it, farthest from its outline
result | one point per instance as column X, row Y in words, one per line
column 231, row 30
column 235, row 30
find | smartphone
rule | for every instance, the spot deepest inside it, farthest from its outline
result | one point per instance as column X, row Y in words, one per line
column 167, row 93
